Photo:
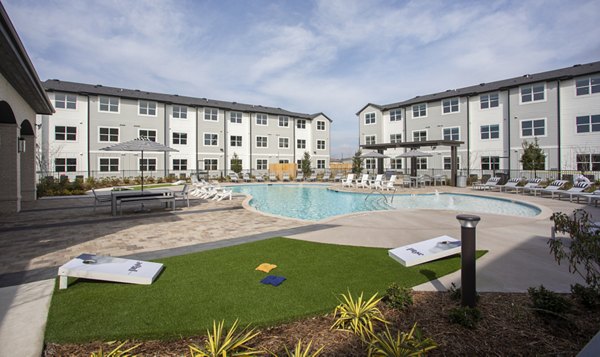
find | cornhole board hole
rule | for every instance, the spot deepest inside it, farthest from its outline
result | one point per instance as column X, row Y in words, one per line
column 99, row 267
column 425, row 251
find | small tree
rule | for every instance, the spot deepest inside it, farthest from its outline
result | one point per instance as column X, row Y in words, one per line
column 357, row 163
column 305, row 164
column 236, row 164
column 533, row 157
column 583, row 251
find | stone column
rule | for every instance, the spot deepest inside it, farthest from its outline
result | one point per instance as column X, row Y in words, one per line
column 10, row 185
column 28, row 177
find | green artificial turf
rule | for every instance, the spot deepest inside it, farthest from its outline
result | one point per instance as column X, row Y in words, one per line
column 198, row 288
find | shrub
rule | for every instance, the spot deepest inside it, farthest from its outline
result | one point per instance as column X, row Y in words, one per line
column 547, row 302
column 586, row 295
column 232, row 344
column 398, row 297
column 456, row 293
column 385, row 344
column 358, row 316
column 298, row 351
column 117, row 352
column 465, row 316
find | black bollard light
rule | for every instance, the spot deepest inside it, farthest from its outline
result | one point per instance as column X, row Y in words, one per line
column 467, row 258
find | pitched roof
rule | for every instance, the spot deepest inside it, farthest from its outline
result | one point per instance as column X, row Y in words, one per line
column 98, row 89
column 563, row 73
column 17, row 68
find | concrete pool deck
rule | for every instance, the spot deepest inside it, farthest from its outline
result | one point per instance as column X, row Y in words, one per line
column 50, row 232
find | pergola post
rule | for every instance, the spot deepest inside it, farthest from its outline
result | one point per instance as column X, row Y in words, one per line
column 453, row 173
column 380, row 163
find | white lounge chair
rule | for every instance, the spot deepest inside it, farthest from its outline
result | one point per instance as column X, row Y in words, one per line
column 272, row 177
column 285, row 177
column 338, row 177
column 389, row 185
column 312, row 177
column 510, row 185
column 363, row 182
column 260, row 178
column 529, row 186
column 377, row 184
column 348, row 181
column 551, row 188
column 246, row 177
column 100, row 199
column 575, row 190
column 184, row 194
column 234, row 177
column 300, row 176
column 223, row 194
column 326, row 177
column 593, row 197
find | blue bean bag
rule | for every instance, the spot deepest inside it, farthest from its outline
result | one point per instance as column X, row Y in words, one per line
column 273, row 280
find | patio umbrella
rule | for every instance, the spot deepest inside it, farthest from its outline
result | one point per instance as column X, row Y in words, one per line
column 140, row 144
column 373, row 155
column 413, row 154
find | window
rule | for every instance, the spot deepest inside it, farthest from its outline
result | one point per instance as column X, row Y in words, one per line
column 211, row 139
column 450, row 106
column 284, row 161
column 179, row 164
column 419, row 110
column 299, row 163
column 147, row 108
column 261, row 164
column 320, row 144
column 421, row 163
column 108, row 104
column 179, row 112
column 490, row 132
column 211, row 114
column 370, row 164
column 320, row 125
column 420, row 135
column 65, row 101
column 369, row 118
column 235, row 140
column 301, row 144
column 490, row 162
column 532, row 93
column 588, row 162
column 320, row 164
column 451, row 133
column 235, row 117
column 301, row 124
column 109, row 164
column 588, row 85
column 395, row 115
column 148, row 134
column 396, row 164
column 370, row 140
column 533, row 127
column 395, row 138
column 284, row 121
column 487, row 101
column 210, row 164
column 65, row 165
column 284, row 143
column 261, row 119
column 147, row 164
column 261, row 141
column 66, row 133
column 108, row 134
column 179, row 138
column 588, row 124
column 448, row 164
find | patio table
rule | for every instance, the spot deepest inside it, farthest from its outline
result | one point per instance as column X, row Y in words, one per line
column 117, row 195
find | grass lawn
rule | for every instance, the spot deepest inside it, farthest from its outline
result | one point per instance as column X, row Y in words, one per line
column 196, row 289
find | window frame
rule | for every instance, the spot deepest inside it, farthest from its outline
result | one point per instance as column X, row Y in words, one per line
column 590, row 86
column 450, row 105
column 211, row 114
column 489, row 131
column 300, row 141
column 147, row 136
column 320, row 164
column 179, row 166
column 531, row 87
column 532, row 128
column 370, row 118
column 235, row 140
column 283, row 140
column 236, row 117
column 283, row 121
column 109, row 104
column 260, row 163
column 370, row 139
column 396, row 115
column 214, row 138
column 180, row 137
column 422, row 163
column 262, row 117
column 451, row 134
column 396, row 164
column 181, row 112
column 65, row 133
column 265, row 139
column 213, row 161
column 395, row 138
column 66, row 101
column 109, row 134
column 425, row 107
column 66, row 165
column 321, row 123
column 147, row 166
column 489, row 101
column 420, row 131
column 492, row 162
column 300, row 123
column 448, row 165
column 590, row 124
column 321, row 145
column 109, row 164
column 148, row 108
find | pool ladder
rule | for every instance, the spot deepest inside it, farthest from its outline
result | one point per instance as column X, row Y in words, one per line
column 382, row 194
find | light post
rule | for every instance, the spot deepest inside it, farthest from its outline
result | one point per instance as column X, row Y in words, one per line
column 467, row 258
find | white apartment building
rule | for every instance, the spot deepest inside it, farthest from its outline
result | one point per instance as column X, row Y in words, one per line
column 559, row 108
column 206, row 133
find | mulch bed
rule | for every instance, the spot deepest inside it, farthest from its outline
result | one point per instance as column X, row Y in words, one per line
column 509, row 327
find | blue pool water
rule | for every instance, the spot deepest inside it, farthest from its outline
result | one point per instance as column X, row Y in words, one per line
column 313, row 203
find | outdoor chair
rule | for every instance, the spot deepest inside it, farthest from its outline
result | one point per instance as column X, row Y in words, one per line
column 223, row 194
column 312, row 177
column 363, row 182
column 338, row 177
column 377, row 184
column 300, row 176
column 510, row 185
column 246, row 177
column 593, row 197
column 184, row 194
column 260, row 178
column 575, row 190
column 234, row 177
column 98, row 199
column 529, row 186
column 326, row 177
column 286, row 177
column 348, row 181
column 389, row 185
column 406, row 181
column 551, row 188
column 272, row 177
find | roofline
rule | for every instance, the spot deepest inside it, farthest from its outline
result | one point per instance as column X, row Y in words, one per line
column 30, row 75
column 368, row 104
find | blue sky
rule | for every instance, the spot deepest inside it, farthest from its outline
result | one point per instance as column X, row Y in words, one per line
column 307, row 56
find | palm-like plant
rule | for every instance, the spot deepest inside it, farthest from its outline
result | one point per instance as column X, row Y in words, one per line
column 232, row 343
column 299, row 352
column 358, row 316
column 386, row 344
column 115, row 352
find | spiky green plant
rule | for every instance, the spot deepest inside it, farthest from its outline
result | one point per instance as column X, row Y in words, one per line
column 386, row 344
column 116, row 352
column 232, row 343
column 299, row 352
column 357, row 316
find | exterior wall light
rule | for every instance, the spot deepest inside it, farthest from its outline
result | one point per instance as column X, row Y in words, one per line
column 21, row 145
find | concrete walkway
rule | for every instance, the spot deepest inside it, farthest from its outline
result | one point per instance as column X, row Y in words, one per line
column 50, row 232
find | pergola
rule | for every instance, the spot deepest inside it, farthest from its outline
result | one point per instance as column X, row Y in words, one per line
column 453, row 144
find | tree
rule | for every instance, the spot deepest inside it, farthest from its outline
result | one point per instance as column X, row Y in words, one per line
column 305, row 164
column 236, row 164
column 357, row 163
column 533, row 157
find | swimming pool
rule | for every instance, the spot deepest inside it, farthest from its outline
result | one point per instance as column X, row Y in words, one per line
column 316, row 202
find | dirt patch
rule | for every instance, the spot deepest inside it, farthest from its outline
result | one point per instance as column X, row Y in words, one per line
column 509, row 327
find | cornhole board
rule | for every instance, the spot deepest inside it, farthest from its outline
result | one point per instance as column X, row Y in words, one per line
column 425, row 251
column 99, row 267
